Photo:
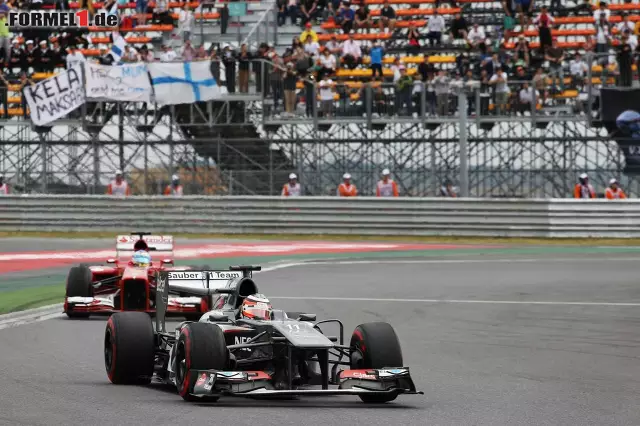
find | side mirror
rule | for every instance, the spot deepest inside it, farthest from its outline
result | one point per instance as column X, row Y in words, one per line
column 307, row 317
column 167, row 261
column 217, row 317
column 111, row 261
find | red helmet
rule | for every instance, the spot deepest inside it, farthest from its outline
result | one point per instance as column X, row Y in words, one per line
column 257, row 307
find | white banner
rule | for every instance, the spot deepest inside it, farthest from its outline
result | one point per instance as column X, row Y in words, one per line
column 129, row 82
column 183, row 83
column 56, row 96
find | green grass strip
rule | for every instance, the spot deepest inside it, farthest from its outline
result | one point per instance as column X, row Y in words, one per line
column 30, row 298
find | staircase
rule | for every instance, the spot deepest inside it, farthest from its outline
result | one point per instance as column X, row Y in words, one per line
column 233, row 142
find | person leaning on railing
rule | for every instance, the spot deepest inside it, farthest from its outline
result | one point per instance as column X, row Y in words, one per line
column 290, row 82
column 346, row 188
column 174, row 188
column 583, row 188
column 527, row 98
column 24, row 81
column 613, row 191
column 244, row 59
column 386, row 186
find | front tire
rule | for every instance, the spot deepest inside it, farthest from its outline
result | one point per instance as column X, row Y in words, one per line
column 79, row 285
column 201, row 346
column 129, row 348
column 375, row 345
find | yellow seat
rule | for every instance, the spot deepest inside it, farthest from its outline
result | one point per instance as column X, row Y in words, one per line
column 435, row 59
column 360, row 73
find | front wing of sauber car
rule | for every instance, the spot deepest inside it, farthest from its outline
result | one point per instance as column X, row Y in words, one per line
column 256, row 384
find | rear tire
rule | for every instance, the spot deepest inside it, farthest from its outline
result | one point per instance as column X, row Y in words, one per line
column 79, row 285
column 201, row 346
column 375, row 345
column 129, row 348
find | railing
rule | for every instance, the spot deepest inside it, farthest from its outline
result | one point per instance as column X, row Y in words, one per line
column 288, row 95
column 416, row 100
column 326, row 215
column 551, row 96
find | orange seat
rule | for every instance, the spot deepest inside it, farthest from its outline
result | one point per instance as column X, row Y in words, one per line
column 140, row 28
column 422, row 1
column 132, row 5
column 13, row 112
column 90, row 52
column 630, row 6
column 508, row 106
column 435, row 59
column 349, row 84
column 562, row 44
column 360, row 73
column 206, row 15
column 331, row 25
column 589, row 19
column 381, row 36
column 420, row 12
column 132, row 40
column 565, row 33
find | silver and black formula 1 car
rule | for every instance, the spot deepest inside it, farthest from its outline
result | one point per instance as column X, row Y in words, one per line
column 224, row 354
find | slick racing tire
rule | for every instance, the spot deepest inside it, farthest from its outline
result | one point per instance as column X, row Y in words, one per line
column 201, row 346
column 129, row 348
column 375, row 345
column 79, row 285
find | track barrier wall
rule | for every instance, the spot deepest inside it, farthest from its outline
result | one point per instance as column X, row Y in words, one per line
column 553, row 218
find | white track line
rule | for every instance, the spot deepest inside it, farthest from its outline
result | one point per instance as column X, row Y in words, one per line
column 449, row 261
column 486, row 302
column 30, row 316
column 52, row 311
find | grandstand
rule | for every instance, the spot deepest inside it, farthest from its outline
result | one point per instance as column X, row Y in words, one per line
column 320, row 120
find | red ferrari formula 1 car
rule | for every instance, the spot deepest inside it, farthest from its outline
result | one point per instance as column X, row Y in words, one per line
column 125, row 284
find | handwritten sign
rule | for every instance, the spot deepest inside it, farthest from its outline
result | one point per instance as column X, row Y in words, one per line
column 127, row 82
column 56, row 96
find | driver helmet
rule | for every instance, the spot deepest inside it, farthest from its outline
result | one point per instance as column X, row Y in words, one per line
column 257, row 307
column 141, row 258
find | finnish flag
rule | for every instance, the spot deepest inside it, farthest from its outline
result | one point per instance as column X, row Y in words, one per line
column 117, row 48
column 177, row 83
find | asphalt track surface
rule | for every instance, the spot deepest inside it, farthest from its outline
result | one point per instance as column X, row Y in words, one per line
column 479, row 358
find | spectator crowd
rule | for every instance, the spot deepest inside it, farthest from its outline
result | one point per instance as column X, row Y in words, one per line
column 518, row 61
column 387, row 58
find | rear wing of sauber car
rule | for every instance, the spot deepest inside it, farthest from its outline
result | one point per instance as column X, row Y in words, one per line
column 160, row 246
column 195, row 283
